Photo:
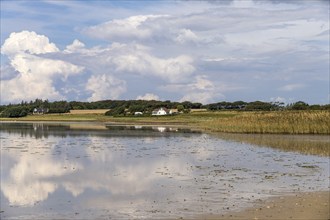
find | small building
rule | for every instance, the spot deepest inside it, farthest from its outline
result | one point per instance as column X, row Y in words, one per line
column 40, row 111
column 161, row 111
column 138, row 113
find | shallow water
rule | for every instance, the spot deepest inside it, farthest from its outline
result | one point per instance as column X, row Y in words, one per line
column 92, row 171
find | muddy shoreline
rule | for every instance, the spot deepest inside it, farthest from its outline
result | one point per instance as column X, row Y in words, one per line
column 307, row 205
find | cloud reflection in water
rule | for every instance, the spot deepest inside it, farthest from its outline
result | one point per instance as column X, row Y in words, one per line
column 142, row 172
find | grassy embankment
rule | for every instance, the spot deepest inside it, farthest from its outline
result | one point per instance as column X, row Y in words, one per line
column 282, row 122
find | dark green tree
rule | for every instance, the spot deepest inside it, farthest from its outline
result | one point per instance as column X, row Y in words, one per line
column 180, row 108
column 118, row 111
column 300, row 105
column 15, row 112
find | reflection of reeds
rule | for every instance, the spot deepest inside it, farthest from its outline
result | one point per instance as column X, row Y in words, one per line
column 286, row 122
column 306, row 144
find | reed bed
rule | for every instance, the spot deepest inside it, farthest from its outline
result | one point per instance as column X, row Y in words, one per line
column 284, row 122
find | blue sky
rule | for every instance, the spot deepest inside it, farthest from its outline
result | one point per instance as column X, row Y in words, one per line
column 199, row 51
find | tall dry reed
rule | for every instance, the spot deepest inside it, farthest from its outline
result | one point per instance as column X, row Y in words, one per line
column 284, row 122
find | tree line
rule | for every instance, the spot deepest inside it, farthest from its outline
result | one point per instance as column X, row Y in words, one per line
column 128, row 107
column 264, row 106
column 38, row 105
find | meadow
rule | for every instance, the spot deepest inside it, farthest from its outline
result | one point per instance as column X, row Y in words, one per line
column 260, row 122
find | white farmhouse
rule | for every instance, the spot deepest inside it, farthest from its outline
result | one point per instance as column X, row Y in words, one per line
column 40, row 111
column 161, row 111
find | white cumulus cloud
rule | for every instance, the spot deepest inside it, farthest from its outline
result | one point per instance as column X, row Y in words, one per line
column 199, row 96
column 281, row 46
column 105, row 87
column 186, row 36
column 278, row 99
column 200, row 89
column 171, row 69
column 35, row 78
column 148, row 96
column 74, row 47
column 27, row 42
column 124, row 29
column 292, row 87
column 34, row 75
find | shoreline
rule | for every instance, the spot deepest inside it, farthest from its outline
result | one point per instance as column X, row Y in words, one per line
column 309, row 144
column 254, row 122
column 303, row 205
column 191, row 125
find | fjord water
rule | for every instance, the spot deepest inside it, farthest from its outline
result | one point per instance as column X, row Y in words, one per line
column 96, row 171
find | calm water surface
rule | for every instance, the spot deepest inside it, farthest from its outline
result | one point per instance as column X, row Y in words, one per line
column 93, row 171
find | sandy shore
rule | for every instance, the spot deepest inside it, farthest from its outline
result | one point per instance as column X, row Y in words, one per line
column 309, row 206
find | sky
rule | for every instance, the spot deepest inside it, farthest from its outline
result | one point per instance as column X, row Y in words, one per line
column 198, row 51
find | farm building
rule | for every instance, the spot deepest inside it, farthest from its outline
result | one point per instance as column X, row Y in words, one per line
column 161, row 111
column 40, row 111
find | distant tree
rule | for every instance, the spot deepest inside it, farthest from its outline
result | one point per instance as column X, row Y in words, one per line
column 187, row 104
column 196, row 105
column 259, row 106
column 15, row 112
column 2, row 108
column 59, row 107
column 278, row 105
column 315, row 107
column 239, row 103
column 118, row 111
column 326, row 107
column 77, row 105
column 136, row 108
column 180, row 108
column 300, row 105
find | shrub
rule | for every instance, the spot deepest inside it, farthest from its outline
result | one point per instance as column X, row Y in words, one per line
column 180, row 108
column 118, row 111
column 299, row 106
column 15, row 112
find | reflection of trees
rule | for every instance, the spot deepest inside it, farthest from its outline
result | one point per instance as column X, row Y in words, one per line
column 306, row 144
column 44, row 130
column 36, row 130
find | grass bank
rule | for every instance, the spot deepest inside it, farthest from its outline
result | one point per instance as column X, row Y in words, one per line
column 281, row 122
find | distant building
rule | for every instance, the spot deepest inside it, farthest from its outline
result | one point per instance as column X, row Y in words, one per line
column 40, row 111
column 161, row 111
column 138, row 113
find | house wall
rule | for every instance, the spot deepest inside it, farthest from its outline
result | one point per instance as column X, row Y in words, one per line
column 161, row 112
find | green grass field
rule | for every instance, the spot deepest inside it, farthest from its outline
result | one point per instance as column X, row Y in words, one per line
column 280, row 122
